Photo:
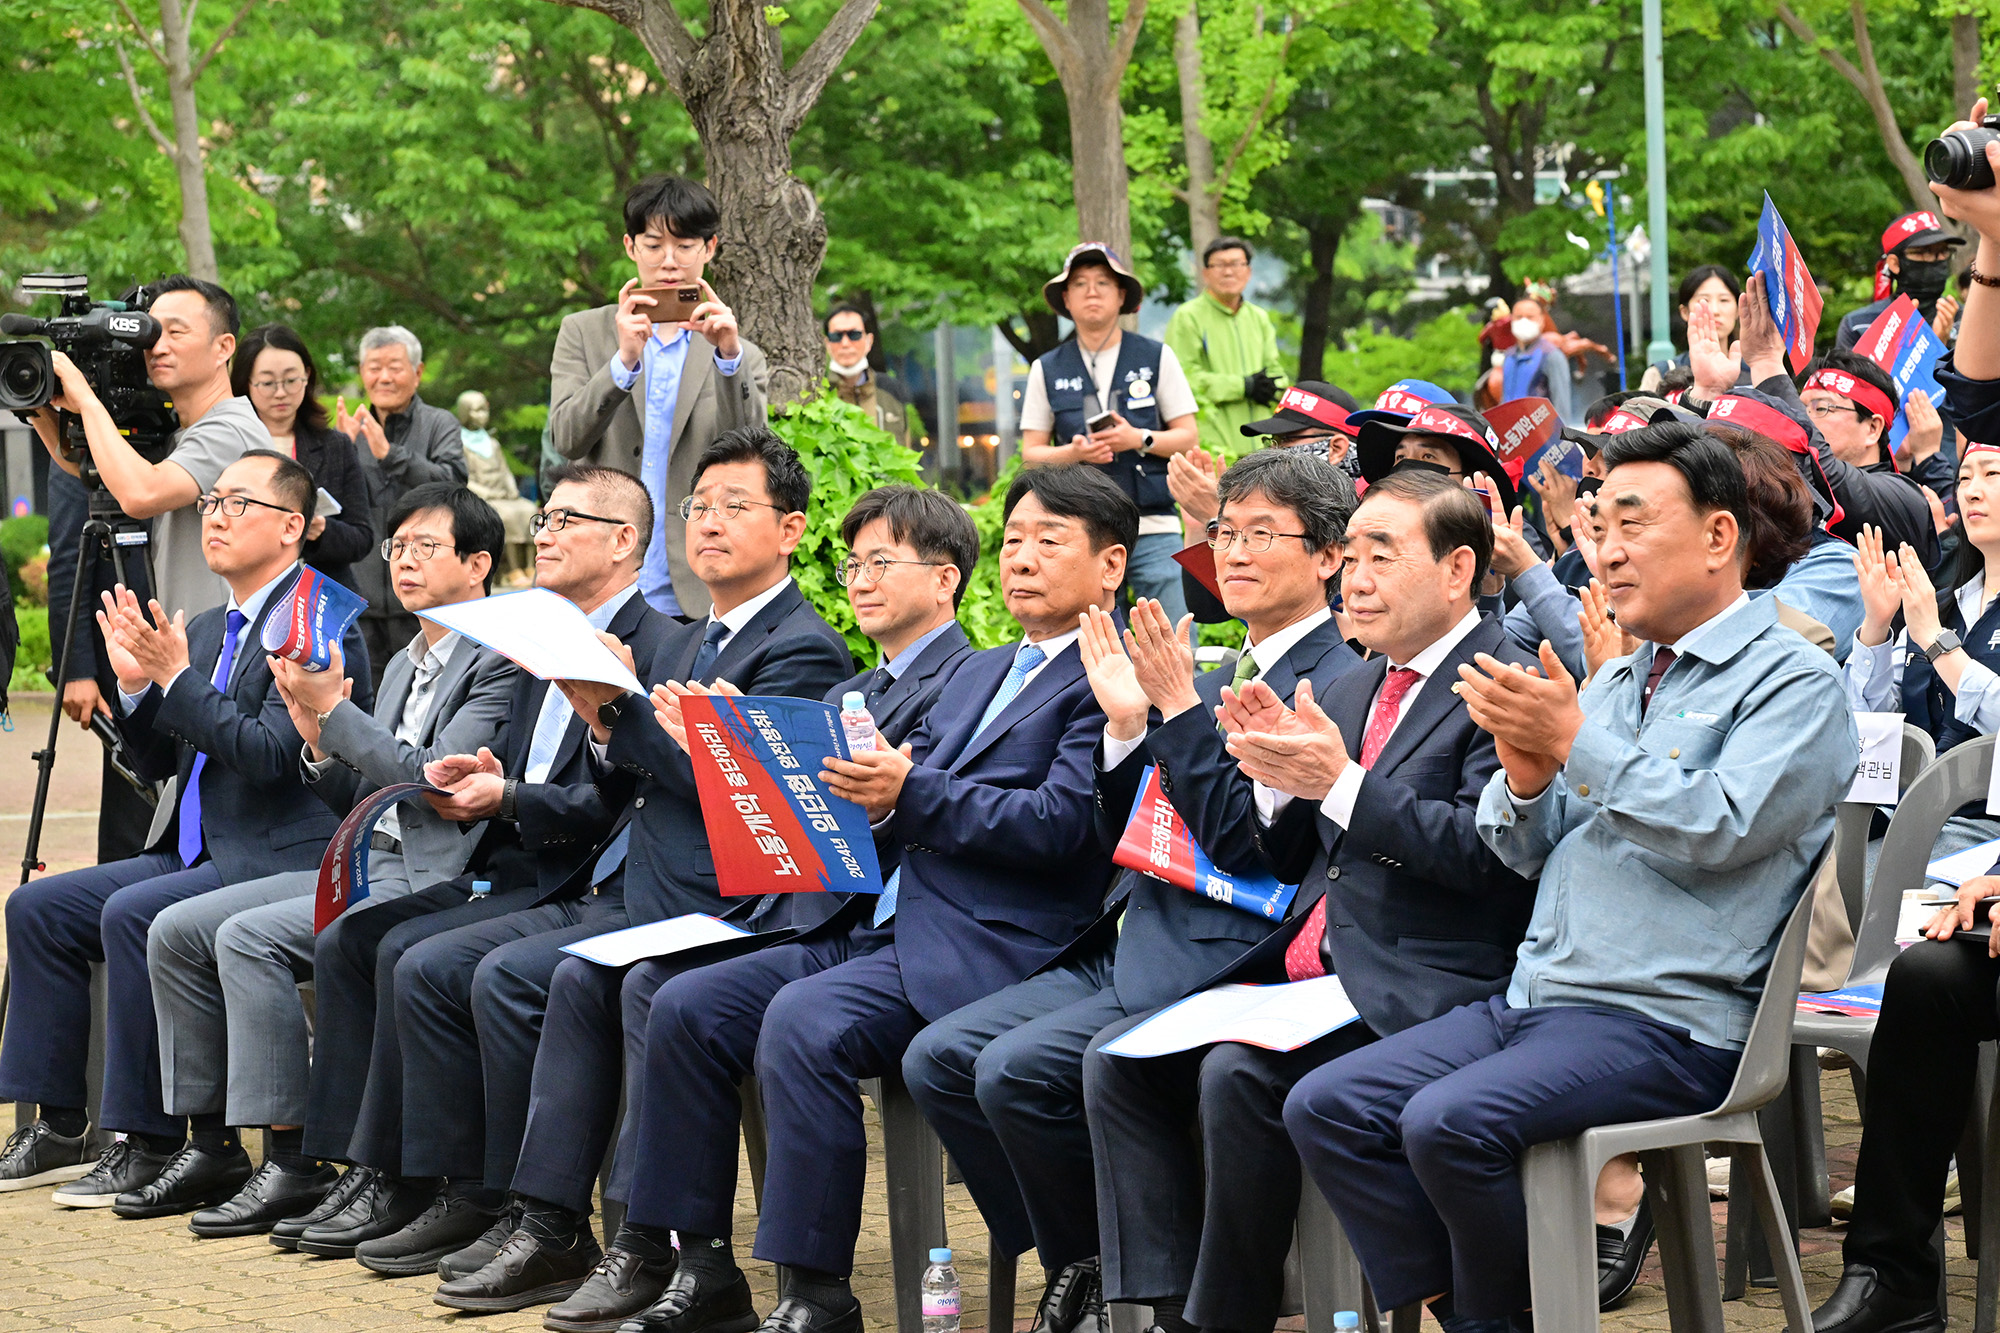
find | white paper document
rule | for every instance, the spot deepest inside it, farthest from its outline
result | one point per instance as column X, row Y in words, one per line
column 541, row 632
column 1875, row 782
column 325, row 505
column 1961, row 866
column 1278, row 1018
column 655, row 939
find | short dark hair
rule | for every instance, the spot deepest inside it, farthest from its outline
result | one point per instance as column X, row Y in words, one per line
column 784, row 475
column 1714, row 478
column 826, row 325
column 1453, row 515
column 1779, row 532
column 1595, row 414
column 1299, row 480
column 685, row 207
column 609, row 487
column 222, row 316
column 1081, row 492
column 1221, row 243
column 1675, row 379
column 312, row 412
column 475, row 527
column 935, row 525
column 1691, row 283
column 290, row 481
column 1861, row 368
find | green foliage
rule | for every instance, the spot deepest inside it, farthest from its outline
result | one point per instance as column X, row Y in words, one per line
column 33, row 659
column 21, row 539
column 1444, row 351
column 983, row 611
column 847, row 455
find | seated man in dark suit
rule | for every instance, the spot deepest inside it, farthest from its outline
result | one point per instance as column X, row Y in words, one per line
column 544, row 820
column 990, row 803
column 198, row 704
column 1002, row 1078
column 1375, row 785
column 911, row 551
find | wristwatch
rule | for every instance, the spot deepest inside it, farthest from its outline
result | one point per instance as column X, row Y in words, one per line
column 607, row 714
column 508, row 798
column 1146, row 442
column 1945, row 642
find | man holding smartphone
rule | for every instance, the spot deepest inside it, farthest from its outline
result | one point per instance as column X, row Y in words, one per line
column 1118, row 401
column 632, row 386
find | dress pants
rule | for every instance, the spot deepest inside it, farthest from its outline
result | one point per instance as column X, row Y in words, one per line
column 56, row 928
column 1001, row 1081
column 1205, row 1215
column 1416, row 1139
column 357, row 1068
column 226, row 971
column 469, row 1006
column 1938, row 1005
column 810, row 1019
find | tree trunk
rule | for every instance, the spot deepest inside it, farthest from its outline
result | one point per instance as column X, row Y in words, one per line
column 1204, row 209
column 1964, row 62
column 1090, row 63
column 1323, row 235
column 196, row 237
column 1044, row 333
column 1866, row 79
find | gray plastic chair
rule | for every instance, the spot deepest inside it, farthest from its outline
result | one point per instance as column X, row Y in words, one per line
column 1331, row 1272
column 1560, row 1179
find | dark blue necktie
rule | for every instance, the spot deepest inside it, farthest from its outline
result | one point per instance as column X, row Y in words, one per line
column 711, row 648
column 190, row 814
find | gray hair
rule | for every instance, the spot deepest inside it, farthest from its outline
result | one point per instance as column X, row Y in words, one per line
column 393, row 335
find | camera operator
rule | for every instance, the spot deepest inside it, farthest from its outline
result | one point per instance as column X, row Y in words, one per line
column 190, row 363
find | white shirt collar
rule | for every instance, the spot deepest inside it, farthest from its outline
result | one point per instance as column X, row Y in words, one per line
column 608, row 609
column 1689, row 639
column 1053, row 648
column 1272, row 650
column 422, row 650
column 735, row 619
column 253, row 606
column 1972, row 599
column 1427, row 661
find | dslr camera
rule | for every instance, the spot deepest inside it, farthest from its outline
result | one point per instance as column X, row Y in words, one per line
column 107, row 340
column 1958, row 158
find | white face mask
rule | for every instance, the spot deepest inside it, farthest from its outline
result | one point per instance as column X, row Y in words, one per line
column 853, row 372
column 1527, row 331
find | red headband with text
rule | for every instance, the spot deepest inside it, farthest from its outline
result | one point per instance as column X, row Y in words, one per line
column 1773, row 424
column 1855, row 389
column 1435, row 421
column 1323, row 410
column 1619, row 422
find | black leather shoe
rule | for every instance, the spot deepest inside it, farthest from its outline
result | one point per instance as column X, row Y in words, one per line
column 1861, row 1304
column 525, row 1272
column 1619, row 1257
column 196, row 1178
column 1073, row 1302
column 446, row 1227
column 686, row 1306
column 124, row 1167
column 385, row 1207
column 266, row 1199
column 37, row 1155
column 477, row 1255
column 797, row 1316
column 621, row 1286
column 285, row 1235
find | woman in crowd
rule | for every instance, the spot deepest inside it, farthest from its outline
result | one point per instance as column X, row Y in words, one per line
column 275, row 370
column 1714, row 291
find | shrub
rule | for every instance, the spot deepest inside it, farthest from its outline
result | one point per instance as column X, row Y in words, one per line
column 22, row 539
column 33, row 659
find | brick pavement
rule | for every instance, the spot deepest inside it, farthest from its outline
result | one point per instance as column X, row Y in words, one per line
column 91, row 1271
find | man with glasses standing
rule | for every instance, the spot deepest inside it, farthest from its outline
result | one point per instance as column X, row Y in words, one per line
column 647, row 398
column 1227, row 347
column 197, row 702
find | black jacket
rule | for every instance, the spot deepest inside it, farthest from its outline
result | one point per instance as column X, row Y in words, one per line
column 349, row 536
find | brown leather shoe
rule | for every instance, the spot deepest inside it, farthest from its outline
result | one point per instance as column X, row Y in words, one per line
column 525, row 1272
column 619, row 1287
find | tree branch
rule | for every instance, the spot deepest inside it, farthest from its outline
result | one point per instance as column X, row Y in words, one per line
column 670, row 43
column 1128, row 34
column 1057, row 40
column 810, row 72
column 139, row 99
column 1867, row 81
column 1256, row 116
column 221, row 37
column 140, row 30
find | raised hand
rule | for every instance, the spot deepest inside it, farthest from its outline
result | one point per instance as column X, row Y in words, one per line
column 1881, row 593
column 1926, row 433
column 1557, row 491
column 1533, row 716
column 1920, row 607
column 1111, row 676
column 1603, row 637
column 1191, row 479
column 1302, row 761
column 1163, row 657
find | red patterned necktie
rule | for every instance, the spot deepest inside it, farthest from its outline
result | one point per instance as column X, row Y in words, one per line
column 1662, row 659
column 1302, row 957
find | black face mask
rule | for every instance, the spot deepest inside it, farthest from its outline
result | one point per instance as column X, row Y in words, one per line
column 1588, row 486
column 1923, row 282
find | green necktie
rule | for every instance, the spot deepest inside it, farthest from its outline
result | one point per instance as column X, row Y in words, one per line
column 1246, row 671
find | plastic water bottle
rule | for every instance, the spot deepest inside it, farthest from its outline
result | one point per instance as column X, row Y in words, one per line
column 1346, row 1321
column 859, row 726
column 941, row 1303
column 481, row 887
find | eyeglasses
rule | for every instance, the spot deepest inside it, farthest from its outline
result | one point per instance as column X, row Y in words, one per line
column 1222, row 537
column 423, row 548
column 653, row 246
column 1821, row 409
column 235, row 506
column 1227, row 264
column 846, row 335
column 555, row 520
column 875, row 569
column 694, row 511
column 1297, row 437
column 289, row 384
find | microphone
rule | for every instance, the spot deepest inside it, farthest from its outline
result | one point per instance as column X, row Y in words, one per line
column 19, row 324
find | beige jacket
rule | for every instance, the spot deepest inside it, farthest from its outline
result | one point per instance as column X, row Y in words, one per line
column 592, row 420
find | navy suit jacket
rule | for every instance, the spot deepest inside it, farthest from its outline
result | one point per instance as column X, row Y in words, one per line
column 257, row 816
column 785, row 649
column 1171, row 940
column 1421, row 916
column 1001, row 864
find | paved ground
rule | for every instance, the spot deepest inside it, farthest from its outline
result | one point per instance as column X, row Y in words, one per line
column 90, row 1271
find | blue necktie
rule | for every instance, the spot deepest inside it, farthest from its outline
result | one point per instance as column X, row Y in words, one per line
column 1026, row 660
column 614, row 857
column 711, row 648
column 190, row 813
column 549, row 726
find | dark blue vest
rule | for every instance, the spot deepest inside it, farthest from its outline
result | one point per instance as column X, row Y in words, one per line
column 1073, row 399
column 1926, row 701
column 1521, row 372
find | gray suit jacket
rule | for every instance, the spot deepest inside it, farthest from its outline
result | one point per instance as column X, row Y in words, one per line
column 592, row 420
column 423, row 447
column 468, row 706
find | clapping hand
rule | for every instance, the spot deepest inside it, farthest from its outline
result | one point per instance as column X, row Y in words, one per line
column 1300, row 756
column 361, row 424
column 155, row 650
column 1533, row 716
column 472, row 786
column 1920, row 607
column 666, row 699
column 1603, row 637
column 1881, row 593
column 586, row 697
column 309, row 694
column 1715, row 368
column 1112, row 679
column 1926, row 433
column 1163, row 657
column 1763, row 344
column 1191, row 479
column 1557, row 490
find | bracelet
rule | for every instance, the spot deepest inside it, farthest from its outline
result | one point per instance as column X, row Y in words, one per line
column 1972, row 272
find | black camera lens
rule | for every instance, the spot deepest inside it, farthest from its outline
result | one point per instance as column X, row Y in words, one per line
column 27, row 376
column 1958, row 159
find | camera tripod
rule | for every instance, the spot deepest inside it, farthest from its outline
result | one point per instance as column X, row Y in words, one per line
column 108, row 536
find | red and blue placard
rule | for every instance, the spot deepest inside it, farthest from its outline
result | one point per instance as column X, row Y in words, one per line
column 772, row 826
column 343, row 868
column 312, row 620
column 1156, row 842
column 1793, row 295
column 1902, row 342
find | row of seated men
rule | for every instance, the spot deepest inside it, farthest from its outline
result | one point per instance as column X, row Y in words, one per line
column 1472, row 838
